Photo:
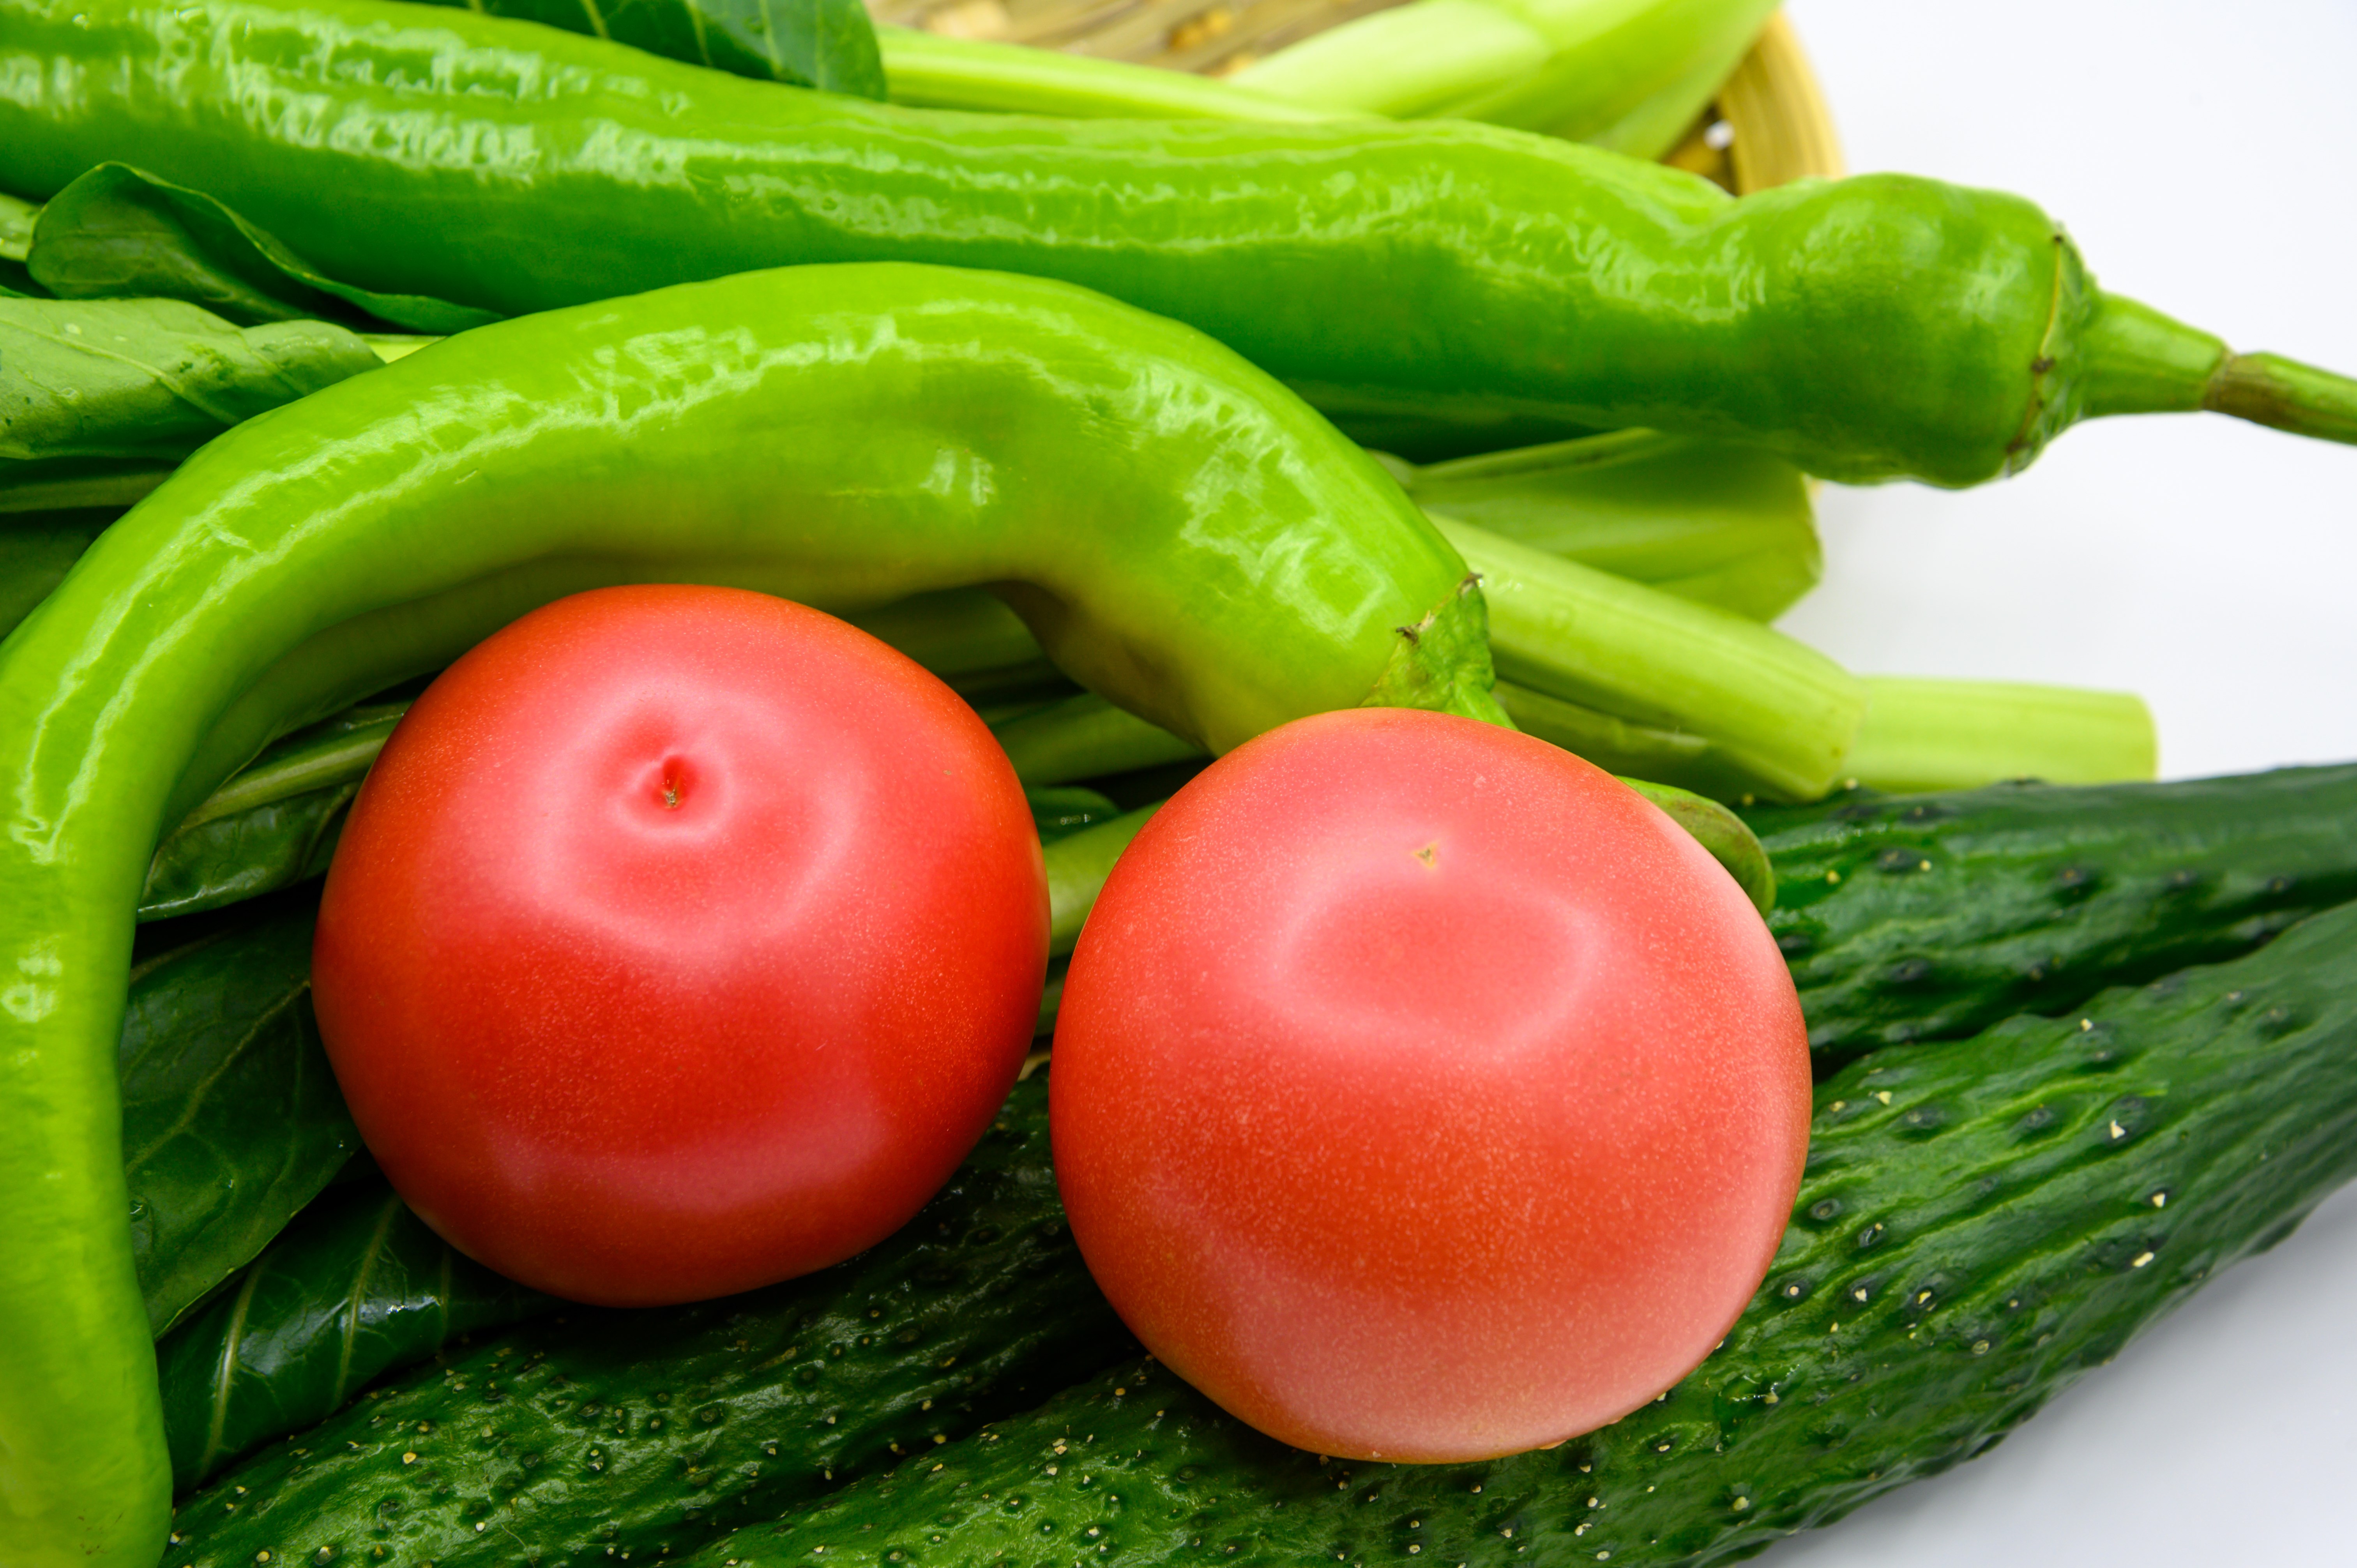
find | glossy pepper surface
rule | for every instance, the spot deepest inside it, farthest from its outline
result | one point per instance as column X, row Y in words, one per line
column 1869, row 329
column 1175, row 527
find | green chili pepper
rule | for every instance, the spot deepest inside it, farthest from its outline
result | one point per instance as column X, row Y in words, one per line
column 1173, row 526
column 1871, row 328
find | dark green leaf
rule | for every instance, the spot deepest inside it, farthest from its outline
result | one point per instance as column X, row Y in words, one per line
column 229, row 859
column 231, row 1120
column 99, row 399
column 274, row 824
column 36, row 550
column 826, row 44
column 356, row 1286
column 119, row 233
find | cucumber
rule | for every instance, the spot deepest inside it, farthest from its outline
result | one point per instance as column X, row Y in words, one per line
column 591, row 1434
column 1982, row 1221
column 1929, row 916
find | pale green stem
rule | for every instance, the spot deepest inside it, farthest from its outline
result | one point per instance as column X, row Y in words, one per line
column 16, row 219
column 1719, row 524
column 1628, row 74
column 1922, row 734
column 1780, row 714
column 928, row 71
column 298, row 768
column 1086, row 737
column 1077, row 865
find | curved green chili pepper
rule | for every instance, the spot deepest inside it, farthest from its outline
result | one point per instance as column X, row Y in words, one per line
column 1871, row 328
column 1173, row 526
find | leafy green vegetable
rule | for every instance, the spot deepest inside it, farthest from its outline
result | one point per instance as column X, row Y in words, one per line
column 356, row 1286
column 644, row 1432
column 274, row 823
column 100, row 399
column 117, row 232
column 826, row 44
column 36, row 549
column 231, row 1120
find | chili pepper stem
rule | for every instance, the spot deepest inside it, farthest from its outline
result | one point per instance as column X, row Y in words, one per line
column 2284, row 394
column 2138, row 361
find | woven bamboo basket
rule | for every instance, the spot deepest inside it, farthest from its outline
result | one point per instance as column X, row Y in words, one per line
column 1769, row 124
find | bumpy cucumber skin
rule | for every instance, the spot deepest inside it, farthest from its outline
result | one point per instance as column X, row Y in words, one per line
column 1983, row 1221
column 654, row 1430
column 1929, row 916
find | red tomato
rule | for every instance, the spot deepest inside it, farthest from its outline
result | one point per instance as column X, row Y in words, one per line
column 682, row 939
column 1423, row 1094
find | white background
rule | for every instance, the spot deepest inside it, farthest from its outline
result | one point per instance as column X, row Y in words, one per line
column 2201, row 154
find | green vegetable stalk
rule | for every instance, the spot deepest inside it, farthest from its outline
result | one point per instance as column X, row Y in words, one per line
column 927, row 71
column 1865, row 328
column 274, row 823
column 1629, row 75
column 1724, row 525
column 1922, row 734
column 1777, row 715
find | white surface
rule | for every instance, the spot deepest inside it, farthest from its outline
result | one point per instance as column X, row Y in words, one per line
column 2200, row 156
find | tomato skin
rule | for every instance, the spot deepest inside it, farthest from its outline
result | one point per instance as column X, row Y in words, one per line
column 681, row 940
column 1422, row 1093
